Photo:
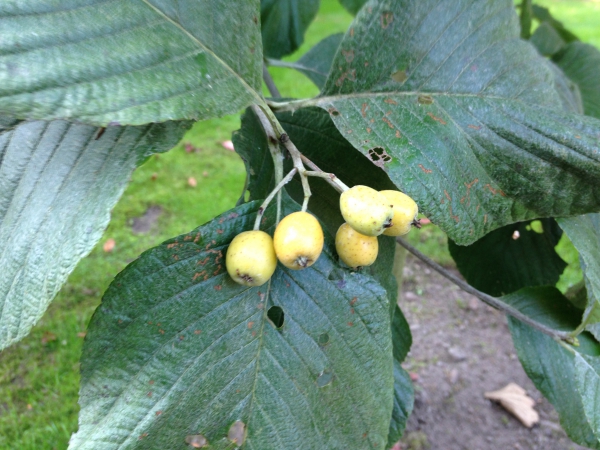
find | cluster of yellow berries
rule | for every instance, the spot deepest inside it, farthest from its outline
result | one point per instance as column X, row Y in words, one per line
column 298, row 239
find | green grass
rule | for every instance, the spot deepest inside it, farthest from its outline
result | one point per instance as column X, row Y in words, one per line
column 39, row 377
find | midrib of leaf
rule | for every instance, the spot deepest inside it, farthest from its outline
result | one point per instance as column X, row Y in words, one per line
column 254, row 93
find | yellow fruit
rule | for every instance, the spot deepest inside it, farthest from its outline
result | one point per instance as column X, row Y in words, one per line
column 405, row 212
column 366, row 210
column 250, row 258
column 355, row 249
column 298, row 240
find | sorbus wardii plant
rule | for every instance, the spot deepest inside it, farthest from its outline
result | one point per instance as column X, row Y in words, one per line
column 454, row 103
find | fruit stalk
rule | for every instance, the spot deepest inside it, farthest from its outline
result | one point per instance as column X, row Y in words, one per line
column 277, row 190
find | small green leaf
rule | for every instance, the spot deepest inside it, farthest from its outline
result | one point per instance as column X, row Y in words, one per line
column 547, row 40
column 353, row 6
column 473, row 130
column 581, row 63
column 58, row 184
column 543, row 16
column 316, row 63
column 404, row 397
column 511, row 257
column 129, row 63
column 284, row 23
column 178, row 349
column 552, row 368
column 584, row 233
column 587, row 372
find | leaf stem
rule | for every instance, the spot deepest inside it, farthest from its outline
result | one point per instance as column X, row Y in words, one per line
column 488, row 299
column 334, row 181
column 297, row 159
column 270, row 83
column 277, row 190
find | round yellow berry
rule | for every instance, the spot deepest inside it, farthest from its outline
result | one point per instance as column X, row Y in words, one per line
column 366, row 210
column 355, row 249
column 405, row 212
column 298, row 240
column 250, row 258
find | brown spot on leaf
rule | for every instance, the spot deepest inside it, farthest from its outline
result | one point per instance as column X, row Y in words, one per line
column 369, row 130
column 158, row 413
column 197, row 331
column 386, row 120
column 399, row 76
column 425, row 99
column 350, row 324
column 250, row 325
column 349, row 75
column 354, row 300
column 348, row 55
column 474, row 127
column 333, row 112
column 203, row 261
column 390, row 101
column 494, row 191
column 237, row 433
column 387, row 17
column 422, row 167
column 218, row 287
column 142, row 436
column 398, row 134
column 196, row 441
column 363, row 109
column 437, row 119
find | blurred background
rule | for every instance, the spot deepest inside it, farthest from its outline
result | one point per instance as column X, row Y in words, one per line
column 169, row 195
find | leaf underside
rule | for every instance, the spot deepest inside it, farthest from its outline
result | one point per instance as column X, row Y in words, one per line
column 178, row 349
column 125, row 62
column 462, row 115
column 58, row 183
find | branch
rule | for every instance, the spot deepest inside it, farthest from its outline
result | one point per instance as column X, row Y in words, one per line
column 270, row 83
column 485, row 298
column 297, row 159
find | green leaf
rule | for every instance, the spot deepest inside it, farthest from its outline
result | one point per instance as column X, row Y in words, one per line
column 353, row 6
column 587, row 372
column 284, row 23
column 316, row 63
column 462, row 114
column 552, row 368
column 546, row 305
column 404, row 397
column 581, row 63
column 129, row 63
column 315, row 135
column 584, row 233
column 511, row 257
column 568, row 91
column 526, row 15
column 178, row 349
column 544, row 17
column 58, row 183
column 547, row 40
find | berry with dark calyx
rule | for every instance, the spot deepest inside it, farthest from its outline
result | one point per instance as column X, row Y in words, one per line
column 366, row 210
column 355, row 249
column 298, row 240
column 250, row 258
column 405, row 213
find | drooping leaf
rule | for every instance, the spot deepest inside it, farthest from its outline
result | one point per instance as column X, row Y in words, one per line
column 284, row 23
column 58, row 183
column 316, row 63
column 315, row 135
column 510, row 258
column 581, row 63
column 462, row 114
column 353, row 6
column 547, row 40
column 544, row 17
column 546, row 305
column 584, row 233
column 178, row 349
column 587, row 372
column 552, row 368
column 403, row 404
column 129, row 62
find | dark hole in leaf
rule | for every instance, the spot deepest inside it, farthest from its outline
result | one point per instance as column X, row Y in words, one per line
column 276, row 315
column 324, row 379
column 324, row 339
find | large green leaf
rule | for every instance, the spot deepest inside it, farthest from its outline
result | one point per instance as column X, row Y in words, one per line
column 58, row 183
column 315, row 63
column 511, row 257
column 544, row 17
column 565, row 377
column 462, row 114
column 584, row 233
column 581, row 63
column 177, row 349
column 284, row 23
column 129, row 62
